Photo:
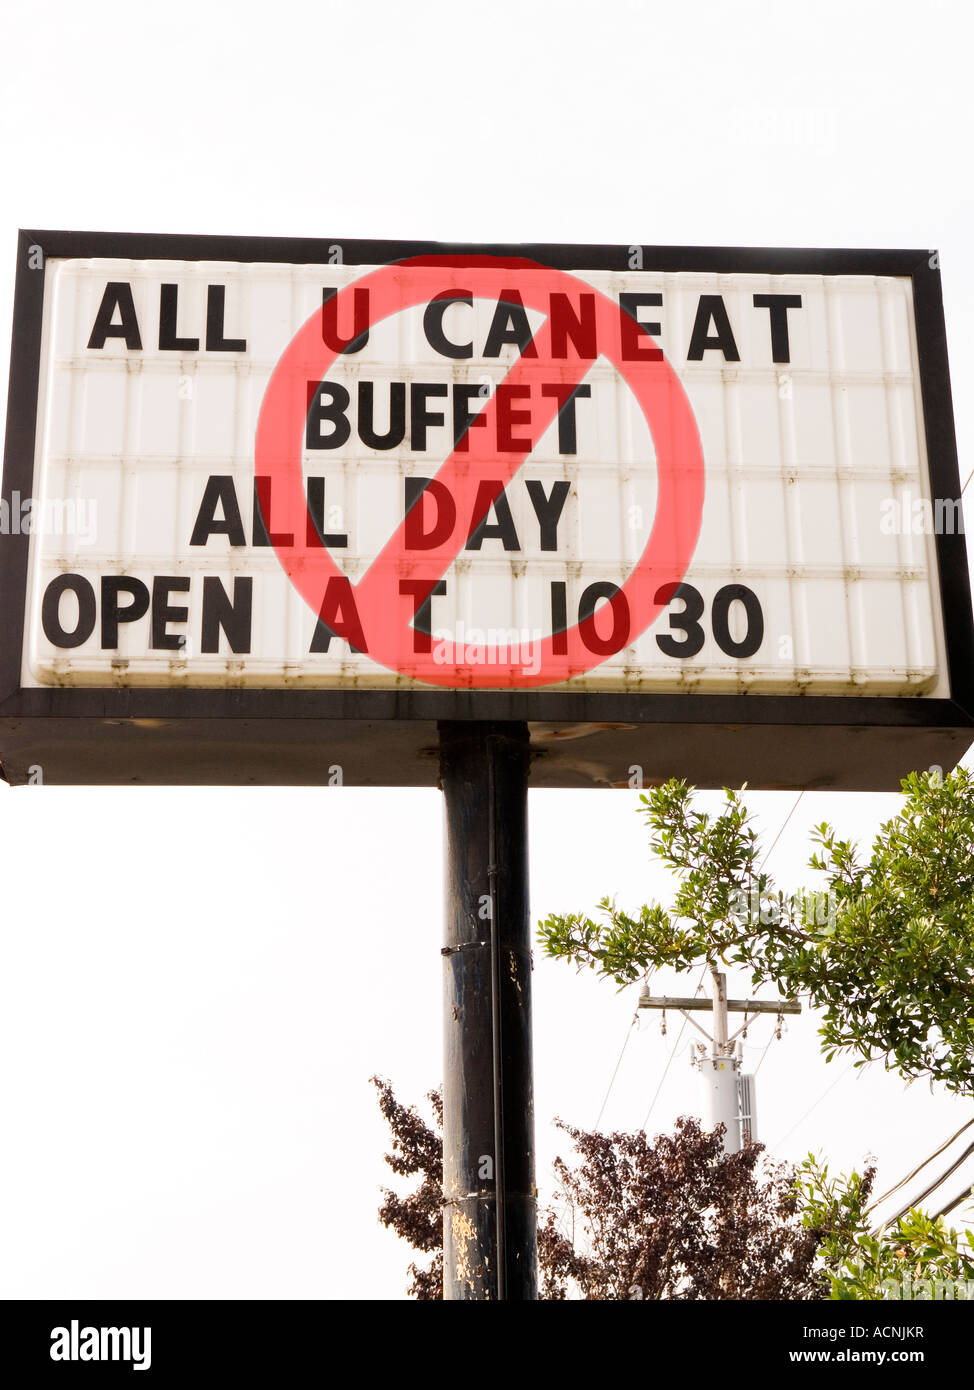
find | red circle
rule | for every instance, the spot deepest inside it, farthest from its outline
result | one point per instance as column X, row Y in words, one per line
column 386, row 615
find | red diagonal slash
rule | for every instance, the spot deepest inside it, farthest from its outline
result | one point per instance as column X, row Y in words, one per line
column 386, row 615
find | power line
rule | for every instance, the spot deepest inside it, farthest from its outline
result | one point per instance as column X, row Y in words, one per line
column 910, row 1176
column 666, row 1069
column 608, row 1092
column 804, row 1117
column 625, row 1044
column 767, row 1046
column 767, row 855
column 955, row 1202
column 931, row 1187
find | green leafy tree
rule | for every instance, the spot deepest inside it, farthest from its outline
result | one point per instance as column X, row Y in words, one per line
column 885, row 949
column 918, row 1256
column 895, row 974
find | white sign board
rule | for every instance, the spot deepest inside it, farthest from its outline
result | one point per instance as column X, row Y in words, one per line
column 811, row 573
column 274, row 509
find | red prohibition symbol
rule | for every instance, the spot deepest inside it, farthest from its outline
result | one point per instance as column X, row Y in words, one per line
column 377, row 614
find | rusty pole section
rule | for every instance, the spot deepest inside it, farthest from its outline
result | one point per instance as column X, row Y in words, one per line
column 489, row 1217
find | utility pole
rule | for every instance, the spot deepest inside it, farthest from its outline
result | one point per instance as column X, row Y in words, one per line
column 728, row 1095
column 489, row 1214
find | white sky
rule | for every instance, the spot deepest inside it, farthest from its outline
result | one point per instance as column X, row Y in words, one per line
column 196, row 984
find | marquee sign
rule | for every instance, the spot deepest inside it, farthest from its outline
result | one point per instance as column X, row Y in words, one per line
column 273, row 508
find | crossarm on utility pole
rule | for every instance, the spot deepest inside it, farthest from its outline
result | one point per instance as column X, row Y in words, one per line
column 733, row 1006
column 720, row 1068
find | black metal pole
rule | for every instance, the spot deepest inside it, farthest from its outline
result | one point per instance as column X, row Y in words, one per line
column 489, row 1217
